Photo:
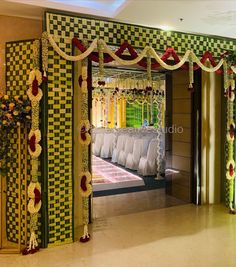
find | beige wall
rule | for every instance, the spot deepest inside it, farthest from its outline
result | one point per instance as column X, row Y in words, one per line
column 15, row 29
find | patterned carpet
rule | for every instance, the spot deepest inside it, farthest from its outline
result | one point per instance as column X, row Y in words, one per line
column 107, row 176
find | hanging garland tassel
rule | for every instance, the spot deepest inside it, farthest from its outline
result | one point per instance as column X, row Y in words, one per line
column 191, row 74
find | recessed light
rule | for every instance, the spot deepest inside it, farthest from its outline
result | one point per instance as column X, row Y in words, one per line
column 165, row 27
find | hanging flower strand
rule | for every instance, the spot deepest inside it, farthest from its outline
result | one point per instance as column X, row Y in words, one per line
column 230, row 165
column 45, row 54
column 85, row 188
column 34, row 189
column 226, row 80
column 101, row 61
column 191, row 73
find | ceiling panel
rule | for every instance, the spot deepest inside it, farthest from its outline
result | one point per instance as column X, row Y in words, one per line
column 196, row 16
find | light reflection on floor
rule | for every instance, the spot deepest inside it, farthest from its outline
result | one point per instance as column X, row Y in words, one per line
column 108, row 176
column 123, row 204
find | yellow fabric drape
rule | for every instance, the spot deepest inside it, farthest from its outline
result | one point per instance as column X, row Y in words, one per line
column 121, row 114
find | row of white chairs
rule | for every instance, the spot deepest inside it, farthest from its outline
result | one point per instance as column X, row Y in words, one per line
column 135, row 150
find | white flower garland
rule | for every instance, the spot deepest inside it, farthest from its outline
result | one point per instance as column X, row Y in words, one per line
column 32, row 97
column 35, row 74
column 80, row 57
column 31, row 188
column 34, row 208
column 142, row 55
column 84, row 86
column 230, row 162
column 37, row 134
column 37, row 152
column 86, row 124
column 88, row 192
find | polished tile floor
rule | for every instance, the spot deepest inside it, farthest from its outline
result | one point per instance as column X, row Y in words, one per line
column 122, row 204
column 181, row 236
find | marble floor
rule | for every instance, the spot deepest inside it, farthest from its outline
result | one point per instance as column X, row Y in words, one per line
column 180, row 236
column 122, row 204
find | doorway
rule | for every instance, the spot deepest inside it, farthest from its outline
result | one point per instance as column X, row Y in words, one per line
column 122, row 107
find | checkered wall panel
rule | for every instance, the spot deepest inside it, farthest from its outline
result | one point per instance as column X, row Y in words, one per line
column 60, row 138
column 60, row 141
column 19, row 62
column 138, row 36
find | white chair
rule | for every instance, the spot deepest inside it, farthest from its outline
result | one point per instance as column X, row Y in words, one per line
column 147, row 164
column 129, row 143
column 145, row 143
column 119, row 146
column 133, row 158
column 98, row 144
column 107, row 147
column 93, row 136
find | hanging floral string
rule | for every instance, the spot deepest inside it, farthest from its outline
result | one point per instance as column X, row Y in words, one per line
column 230, row 164
column 101, row 60
column 138, row 58
column 191, row 74
column 45, row 53
column 149, row 87
column 34, row 189
column 85, row 140
column 226, row 80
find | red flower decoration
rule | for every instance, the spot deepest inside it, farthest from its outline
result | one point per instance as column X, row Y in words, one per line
column 231, row 170
column 83, row 133
column 35, row 87
column 84, row 239
column 32, row 143
column 37, row 196
column 231, row 131
column 83, row 183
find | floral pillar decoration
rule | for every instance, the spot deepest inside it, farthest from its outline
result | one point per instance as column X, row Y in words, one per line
column 34, row 189
column 85, row 140
column 229, row 87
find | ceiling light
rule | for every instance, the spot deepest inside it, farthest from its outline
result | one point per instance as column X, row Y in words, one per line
column 165, row 27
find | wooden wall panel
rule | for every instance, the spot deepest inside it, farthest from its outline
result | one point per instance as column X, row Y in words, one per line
column 181, row 139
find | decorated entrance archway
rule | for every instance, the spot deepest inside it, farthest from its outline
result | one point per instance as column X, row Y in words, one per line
column 150, row 59
column 56, row 99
